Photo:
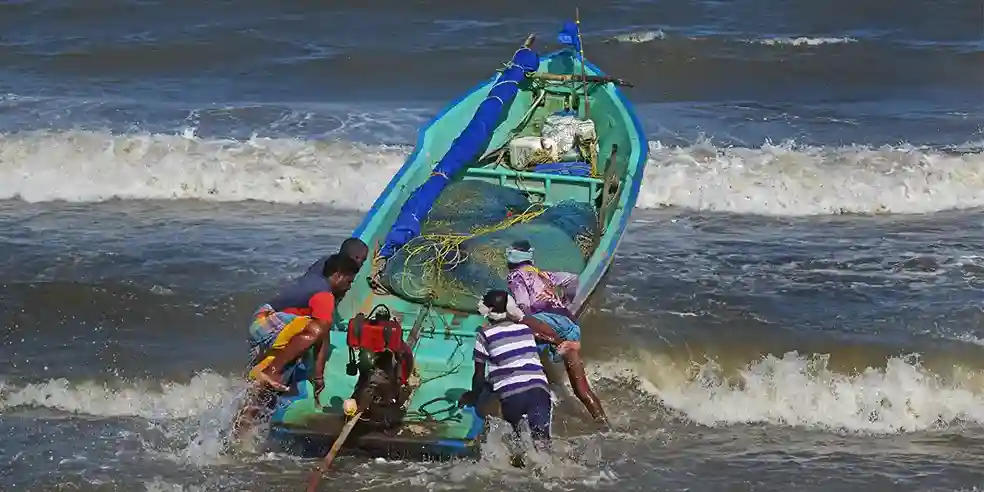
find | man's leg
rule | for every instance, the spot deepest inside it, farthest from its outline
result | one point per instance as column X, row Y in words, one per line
column 579, row 383
column 513, row 409
column 539, row 415
column 254, row 402
column 291, row 343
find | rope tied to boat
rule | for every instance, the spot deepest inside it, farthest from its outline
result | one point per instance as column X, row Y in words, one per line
column 446, row 253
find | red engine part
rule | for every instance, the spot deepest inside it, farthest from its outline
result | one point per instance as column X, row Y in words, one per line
column 377, row 336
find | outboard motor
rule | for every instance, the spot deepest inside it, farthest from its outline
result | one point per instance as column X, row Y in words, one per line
column 383, row 365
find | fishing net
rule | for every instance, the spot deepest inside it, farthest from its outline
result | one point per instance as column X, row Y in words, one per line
column 461, row 251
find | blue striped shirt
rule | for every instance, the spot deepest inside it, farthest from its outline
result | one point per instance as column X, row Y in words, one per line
column 510, row 351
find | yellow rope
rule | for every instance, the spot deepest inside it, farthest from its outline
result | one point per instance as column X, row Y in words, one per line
column 444, row 253
column 538, row 156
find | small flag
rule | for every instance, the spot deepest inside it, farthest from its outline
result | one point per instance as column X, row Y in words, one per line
column 569, row 35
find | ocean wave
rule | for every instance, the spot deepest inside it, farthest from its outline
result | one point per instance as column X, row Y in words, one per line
column 803, row 390
column 774, row 179
column 639, row 37
column 649, row 35
column 162, row 400
column 802, row 41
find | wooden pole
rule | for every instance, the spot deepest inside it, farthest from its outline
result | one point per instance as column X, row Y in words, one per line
column 529, row 40
column 587, row 78
column 315, row 476
column 584, row 80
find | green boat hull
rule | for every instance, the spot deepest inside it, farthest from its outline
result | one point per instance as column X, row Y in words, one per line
column 434, row 426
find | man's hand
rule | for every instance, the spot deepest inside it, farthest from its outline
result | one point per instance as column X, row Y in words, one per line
column 466, row 399
column 319, row 386
column 568, row 346
column 513, row 311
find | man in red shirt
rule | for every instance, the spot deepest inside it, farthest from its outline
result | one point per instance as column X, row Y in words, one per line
column 299, row 317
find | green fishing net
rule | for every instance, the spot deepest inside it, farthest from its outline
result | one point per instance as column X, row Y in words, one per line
column 461, row 251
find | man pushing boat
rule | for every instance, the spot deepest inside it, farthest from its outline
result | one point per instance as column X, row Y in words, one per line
column 515, row 372
column 297, row 319
column 546, row 312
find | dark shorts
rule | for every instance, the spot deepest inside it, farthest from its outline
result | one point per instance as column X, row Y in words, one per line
column 535, row 405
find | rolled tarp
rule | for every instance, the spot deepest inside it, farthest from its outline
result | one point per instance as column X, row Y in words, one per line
column 463, row 151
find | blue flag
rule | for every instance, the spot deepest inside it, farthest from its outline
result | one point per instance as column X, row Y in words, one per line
column 569, row 36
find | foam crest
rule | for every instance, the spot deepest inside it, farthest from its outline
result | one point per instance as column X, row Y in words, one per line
column 802, row 41
column 778, row 180
column 160, row 485
column 82, row 166
column 788, row 180
column 802, row 390
column 639, row 37
column 167, row 400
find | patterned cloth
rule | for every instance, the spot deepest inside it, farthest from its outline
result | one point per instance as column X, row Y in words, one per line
column 566, row 329
column 535, row 290
column 263, row 331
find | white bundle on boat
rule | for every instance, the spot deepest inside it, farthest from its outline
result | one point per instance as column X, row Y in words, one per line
column 523, row 151
column 565, row 130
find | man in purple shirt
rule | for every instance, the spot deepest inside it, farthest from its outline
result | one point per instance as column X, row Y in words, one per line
column 545, row 296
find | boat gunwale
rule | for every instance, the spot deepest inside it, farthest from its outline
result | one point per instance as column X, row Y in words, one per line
column 636, row 169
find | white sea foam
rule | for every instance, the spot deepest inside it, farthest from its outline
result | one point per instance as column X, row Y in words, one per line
column 788, row 390
column 646, row 36
column 801, row 41
column 778, row 180
column 803, row 391
column 165, row 400
column 638, row 37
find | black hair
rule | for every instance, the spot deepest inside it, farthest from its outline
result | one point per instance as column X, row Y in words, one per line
column 341, row 264
column 352, row 245
column 522, row 245
column 496, row 300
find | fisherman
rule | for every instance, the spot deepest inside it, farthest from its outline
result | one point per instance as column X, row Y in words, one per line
column 536, row 294
column 297, row 319
column 515, row 371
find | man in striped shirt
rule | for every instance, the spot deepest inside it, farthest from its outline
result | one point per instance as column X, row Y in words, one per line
column 515, row 372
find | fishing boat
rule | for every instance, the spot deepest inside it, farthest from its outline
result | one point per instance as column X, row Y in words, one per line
column 493, row 142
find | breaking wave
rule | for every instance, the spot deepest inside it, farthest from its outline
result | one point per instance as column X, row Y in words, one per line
column 792, row 389
column 803, row 390
column 774, row 179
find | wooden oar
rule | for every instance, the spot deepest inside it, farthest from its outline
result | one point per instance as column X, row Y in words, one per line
column 326, row 462
column 596, row 79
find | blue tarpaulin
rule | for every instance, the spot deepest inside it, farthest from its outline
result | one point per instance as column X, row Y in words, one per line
column 463, row 151
column 579, row 168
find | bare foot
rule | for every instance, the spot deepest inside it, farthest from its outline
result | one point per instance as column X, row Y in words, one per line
column 271, row 379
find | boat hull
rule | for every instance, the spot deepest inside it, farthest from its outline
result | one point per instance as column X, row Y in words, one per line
column 417, row 442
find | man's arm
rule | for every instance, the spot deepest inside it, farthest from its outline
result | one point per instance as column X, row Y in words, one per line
column 322, row 358
column 541, row 330
column 481, row 356
column 520, row 292
column 478, row 379
column 566, row 281
column 323, row 313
